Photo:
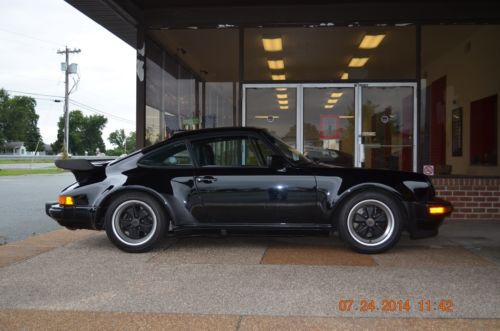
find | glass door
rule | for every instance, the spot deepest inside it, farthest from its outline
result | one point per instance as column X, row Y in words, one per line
column 273, row 107
column 386, row 126
column 369, row 125
column 329, row 123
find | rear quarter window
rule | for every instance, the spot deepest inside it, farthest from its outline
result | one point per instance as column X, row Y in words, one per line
column 176, row 155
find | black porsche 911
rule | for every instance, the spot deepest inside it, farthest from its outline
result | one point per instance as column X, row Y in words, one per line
column 241, row 180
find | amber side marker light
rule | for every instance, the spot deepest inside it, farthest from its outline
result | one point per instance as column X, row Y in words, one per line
column 438, row 210
column 66, row 200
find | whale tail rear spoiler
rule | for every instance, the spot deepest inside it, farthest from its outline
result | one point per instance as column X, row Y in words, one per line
column 85, row 171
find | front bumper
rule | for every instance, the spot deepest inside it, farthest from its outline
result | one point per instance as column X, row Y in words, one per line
column 421, row 223
column 72, row 217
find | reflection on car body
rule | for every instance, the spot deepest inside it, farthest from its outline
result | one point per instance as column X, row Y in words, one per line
column 243, row 179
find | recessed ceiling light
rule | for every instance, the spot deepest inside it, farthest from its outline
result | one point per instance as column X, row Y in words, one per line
column 346, row 117
column 283, row 102
column 272, row 43
column 282, row 96
column 329, row 106
column 278, row 77
column 280, row 89
column 276, row 64
column 344, row 76
column 336, row 94
column 357, row 62
column 371, row 41
column 332, row 101
column 284, row 107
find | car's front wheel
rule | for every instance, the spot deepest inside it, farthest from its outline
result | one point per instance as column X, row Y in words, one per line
column 370, row 222
column 135, row 222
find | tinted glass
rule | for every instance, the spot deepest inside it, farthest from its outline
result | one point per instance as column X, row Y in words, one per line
column 228, row 152
column 168, row 156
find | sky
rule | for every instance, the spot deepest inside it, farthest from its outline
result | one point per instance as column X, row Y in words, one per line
column 31, row 32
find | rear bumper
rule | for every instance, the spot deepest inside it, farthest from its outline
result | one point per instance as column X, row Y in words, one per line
column 421, row 223
column 74, row 217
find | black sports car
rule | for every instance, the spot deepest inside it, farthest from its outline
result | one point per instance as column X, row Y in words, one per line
column 242, row 179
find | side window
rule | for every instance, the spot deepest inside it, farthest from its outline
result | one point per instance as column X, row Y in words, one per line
column 227, row 152
column 264, row 149
column 168, row 156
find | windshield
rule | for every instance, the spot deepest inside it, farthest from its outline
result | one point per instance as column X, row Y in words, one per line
column 288, row 151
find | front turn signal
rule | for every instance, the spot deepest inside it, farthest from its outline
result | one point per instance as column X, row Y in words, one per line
column 66, row 200
column 439, row 210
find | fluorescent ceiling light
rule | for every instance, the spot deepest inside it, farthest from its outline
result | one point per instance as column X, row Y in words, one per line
column 332, row 101
column 280, row 89
column 329, row 106
column 276, row 64
column 272, row 43
column 265, row 117
column 346, row 117
column 344, row 76
column 282, row 96
column 283, row 102
column 371, row 41
column 357, row 62
column 336, row 94
column 284, row 107
column 278, row 77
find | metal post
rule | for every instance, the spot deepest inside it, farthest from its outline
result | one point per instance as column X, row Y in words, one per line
column 66, row 104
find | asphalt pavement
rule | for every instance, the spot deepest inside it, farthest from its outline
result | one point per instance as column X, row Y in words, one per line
column 22, row 202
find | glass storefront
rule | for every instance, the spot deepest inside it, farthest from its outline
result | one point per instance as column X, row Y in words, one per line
column 342, row 95
column 321, row 54
column 192, row 81
column 329, row 124
column 273, row 108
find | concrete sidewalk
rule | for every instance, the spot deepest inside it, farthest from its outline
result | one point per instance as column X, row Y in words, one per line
column 451, row 281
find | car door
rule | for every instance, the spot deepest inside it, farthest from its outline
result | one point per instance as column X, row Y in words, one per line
column 294, row 190
column 232, row 180
column 237, row 186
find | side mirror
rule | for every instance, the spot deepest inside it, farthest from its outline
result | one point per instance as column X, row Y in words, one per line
column 276, row 162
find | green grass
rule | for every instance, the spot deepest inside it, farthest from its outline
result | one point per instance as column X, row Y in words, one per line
column 20, row 172
column 28, row 160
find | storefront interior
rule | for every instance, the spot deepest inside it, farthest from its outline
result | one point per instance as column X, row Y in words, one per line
column 382, row 96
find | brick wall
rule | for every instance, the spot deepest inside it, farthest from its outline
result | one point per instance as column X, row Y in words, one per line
column 472, row 198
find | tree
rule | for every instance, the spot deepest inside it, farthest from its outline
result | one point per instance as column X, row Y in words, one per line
column 19, row 121
column 85, row 133
column 123, row 143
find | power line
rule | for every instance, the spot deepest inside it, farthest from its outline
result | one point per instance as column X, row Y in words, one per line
column 95, row 110
column 29, row 37
column 39, row 94
column 73, row 102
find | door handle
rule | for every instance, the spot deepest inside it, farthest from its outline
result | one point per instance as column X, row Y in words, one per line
column 206, row 179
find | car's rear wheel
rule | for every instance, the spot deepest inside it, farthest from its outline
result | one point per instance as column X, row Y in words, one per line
column 370, row 222
column 135, row 222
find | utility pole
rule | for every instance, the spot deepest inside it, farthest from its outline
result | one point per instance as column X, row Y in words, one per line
column 68, row 69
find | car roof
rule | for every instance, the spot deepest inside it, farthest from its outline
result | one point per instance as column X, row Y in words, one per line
column 189, row 134
column 193, row 134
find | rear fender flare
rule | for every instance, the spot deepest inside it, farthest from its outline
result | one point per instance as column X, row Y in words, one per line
column 104, row 200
